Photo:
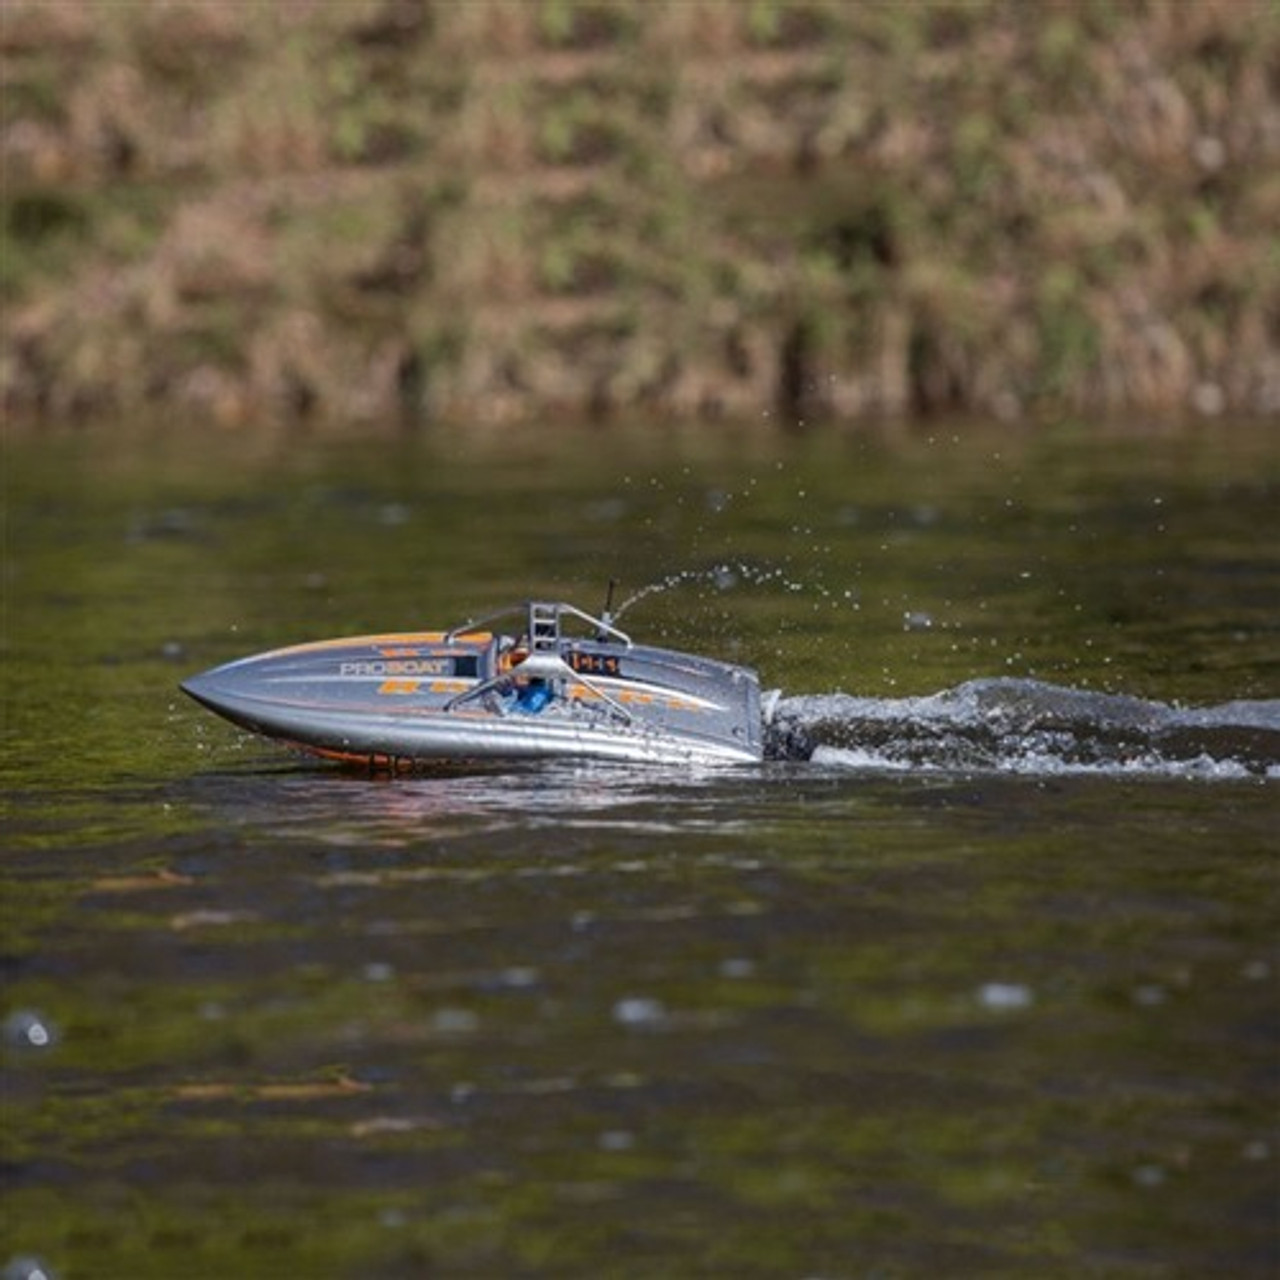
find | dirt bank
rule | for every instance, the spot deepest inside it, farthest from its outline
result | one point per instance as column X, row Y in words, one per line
column 396, row 211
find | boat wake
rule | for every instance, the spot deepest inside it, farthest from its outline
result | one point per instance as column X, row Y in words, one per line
column 1028, row 727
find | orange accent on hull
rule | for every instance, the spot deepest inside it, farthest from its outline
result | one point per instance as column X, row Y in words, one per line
column 379, row 761
column 449, row 686
column 408, row 639
column 399, row 686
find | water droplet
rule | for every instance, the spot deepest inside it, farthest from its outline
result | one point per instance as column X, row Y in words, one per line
column 1005, row 997
column 394, row 514
column 520, row 977
column 26, row 1268
column 639, row 1011
column 454, row 1021
column 29, row 1029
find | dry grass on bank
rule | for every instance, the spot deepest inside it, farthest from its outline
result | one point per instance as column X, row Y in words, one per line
column 388, row 210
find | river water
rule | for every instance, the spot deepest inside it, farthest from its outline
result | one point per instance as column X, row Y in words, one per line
column 976, row 976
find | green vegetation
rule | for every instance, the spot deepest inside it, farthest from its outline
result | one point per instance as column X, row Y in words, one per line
column 397, row 210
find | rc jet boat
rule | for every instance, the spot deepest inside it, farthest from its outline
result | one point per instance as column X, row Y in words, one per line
column 560, row 683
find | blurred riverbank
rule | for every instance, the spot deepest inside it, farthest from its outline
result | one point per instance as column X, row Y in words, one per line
column 398, row 211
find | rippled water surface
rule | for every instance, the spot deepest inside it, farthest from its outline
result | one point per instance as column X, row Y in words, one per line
column 975, row 977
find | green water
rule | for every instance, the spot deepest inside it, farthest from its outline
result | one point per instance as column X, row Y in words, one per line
column 815, row 1018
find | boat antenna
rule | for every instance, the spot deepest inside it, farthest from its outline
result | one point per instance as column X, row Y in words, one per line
column 606, row 615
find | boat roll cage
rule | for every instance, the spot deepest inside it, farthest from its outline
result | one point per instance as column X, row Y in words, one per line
column 542, row 624
column 542, row 634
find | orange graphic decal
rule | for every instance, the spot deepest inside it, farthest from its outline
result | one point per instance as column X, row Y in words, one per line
column 399, row 686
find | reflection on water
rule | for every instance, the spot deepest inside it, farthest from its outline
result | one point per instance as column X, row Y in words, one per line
column 976, row 978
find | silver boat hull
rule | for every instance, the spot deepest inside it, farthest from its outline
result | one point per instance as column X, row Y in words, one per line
column 395, row 701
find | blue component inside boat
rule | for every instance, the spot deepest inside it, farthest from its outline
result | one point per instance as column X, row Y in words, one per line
column 533, row 697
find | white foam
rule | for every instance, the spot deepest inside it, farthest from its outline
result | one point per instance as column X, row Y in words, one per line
column 1031, row 728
